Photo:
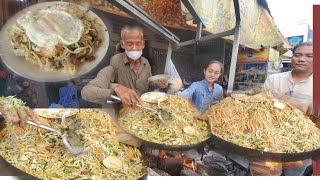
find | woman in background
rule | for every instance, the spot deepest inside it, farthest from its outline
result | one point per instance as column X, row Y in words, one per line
column 205, row 92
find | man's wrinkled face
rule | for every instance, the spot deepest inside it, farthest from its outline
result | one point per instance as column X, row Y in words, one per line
column 132, row 41
column 302, row 59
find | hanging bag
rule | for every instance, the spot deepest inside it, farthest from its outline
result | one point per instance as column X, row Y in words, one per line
column 175, row 82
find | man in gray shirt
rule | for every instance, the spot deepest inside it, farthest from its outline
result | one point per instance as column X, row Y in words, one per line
column 126, row 76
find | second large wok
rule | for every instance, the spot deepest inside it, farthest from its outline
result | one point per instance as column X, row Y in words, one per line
column 254, row 154
column 117, row 106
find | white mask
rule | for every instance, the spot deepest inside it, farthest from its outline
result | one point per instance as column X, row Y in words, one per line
column 134, row 55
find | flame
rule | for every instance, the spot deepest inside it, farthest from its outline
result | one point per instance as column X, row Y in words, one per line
column 273, row 165
column 171, row 154
column 189, row 163
column 293, row 164
column 276, row 165
column 163, row 154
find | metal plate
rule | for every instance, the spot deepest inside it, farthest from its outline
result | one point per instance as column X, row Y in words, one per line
column 55, row 113
column 31, row 71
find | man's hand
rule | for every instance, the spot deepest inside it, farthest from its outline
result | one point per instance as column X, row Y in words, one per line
column 128, row 96
column 19, row 116
column 161, row 84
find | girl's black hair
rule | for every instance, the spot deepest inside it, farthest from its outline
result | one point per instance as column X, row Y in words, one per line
column 214, row 62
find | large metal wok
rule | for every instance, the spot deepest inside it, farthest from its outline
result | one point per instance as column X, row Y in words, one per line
column 6, row 169
column 117, row 106
column 253, row 154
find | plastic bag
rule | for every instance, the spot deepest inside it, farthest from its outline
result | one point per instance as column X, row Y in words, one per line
column 300, row 101
column 175, row 82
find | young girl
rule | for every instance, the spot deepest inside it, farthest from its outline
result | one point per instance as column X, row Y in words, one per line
column 205, row 92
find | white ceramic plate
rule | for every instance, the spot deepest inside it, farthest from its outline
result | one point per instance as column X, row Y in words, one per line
column 55, row 112
column 154, row 97
column 20, row 66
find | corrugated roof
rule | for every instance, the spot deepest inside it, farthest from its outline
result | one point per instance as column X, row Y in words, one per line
column 257, row 25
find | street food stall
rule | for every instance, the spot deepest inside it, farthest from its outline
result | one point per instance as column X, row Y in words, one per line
column 253, row 67
column 244, row 134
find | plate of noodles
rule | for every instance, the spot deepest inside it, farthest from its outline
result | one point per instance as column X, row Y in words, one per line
column 54, row 41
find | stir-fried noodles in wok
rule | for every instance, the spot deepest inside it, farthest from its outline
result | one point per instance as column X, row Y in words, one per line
column 183, row 129
column 42, row 153
column 264, row 125
column 54, row 45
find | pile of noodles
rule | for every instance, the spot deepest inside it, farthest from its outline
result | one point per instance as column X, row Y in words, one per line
column 260, row 125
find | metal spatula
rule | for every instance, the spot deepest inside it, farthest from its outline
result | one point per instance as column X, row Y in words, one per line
column 69, row 138
column 163, row 115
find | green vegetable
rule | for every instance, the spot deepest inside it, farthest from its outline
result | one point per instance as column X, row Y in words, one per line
column 11, row 102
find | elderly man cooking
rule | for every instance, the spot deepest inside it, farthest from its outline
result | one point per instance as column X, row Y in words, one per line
column 126, row 76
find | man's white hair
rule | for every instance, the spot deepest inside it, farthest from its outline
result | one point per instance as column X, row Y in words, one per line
column 128, row 28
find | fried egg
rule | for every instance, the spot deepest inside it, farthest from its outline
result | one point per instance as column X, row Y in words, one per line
column 50, row 27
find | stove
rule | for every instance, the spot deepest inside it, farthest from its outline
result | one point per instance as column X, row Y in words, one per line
column 194, row 162
column 211, row 161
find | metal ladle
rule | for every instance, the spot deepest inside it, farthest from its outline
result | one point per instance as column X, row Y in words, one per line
column 70, row 139
column 163, row 115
